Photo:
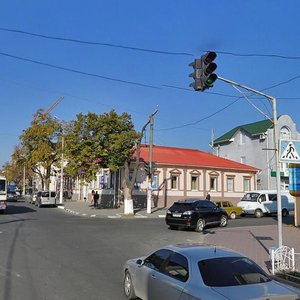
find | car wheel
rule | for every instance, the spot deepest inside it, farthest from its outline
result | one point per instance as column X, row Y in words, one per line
column 223, row 221
column 173, row 227
column 200, row 225
column 285, row 212
column 128, row 286
column 258, row 213
column 233, row 215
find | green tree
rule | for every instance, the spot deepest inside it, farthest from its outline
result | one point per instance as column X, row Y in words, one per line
column 40, row 145
column 108, row 140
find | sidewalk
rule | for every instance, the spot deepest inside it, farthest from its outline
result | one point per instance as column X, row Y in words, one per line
column 84, row 209
column 256, row 241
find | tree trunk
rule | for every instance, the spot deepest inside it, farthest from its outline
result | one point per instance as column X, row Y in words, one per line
column 127, row 190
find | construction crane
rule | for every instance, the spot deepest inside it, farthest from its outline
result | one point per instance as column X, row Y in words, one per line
column 53, row 106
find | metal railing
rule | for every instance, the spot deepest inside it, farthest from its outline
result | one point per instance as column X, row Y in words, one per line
column 283, row 259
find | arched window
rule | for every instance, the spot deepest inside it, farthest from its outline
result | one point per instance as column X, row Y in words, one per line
column 285, row 133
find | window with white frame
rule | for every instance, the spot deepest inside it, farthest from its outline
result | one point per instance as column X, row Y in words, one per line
column 194, row 183
column 242, row 138
column 230, row 184
column 246, row 184
column 174, row 182
column 213, row 183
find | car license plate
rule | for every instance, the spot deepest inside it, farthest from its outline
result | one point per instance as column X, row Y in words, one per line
column 176, row 215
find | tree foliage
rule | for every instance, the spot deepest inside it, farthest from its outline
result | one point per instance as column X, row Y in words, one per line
column 93, row 140
column 40, row 145
column 14, row 170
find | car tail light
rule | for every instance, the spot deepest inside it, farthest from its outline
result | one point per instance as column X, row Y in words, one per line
column 187, row 213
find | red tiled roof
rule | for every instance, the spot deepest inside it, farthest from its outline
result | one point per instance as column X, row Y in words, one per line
column 191, row 157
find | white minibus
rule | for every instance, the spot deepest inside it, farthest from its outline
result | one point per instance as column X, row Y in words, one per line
column 264, row 202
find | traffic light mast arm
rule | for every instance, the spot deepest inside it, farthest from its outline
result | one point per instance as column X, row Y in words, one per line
column 276, row 139
column 246, row 88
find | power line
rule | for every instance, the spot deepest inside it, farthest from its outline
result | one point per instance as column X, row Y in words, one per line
column 259, row 55
column 78, row 72
column 95, row 43
column 201, row 120
column 66, row 39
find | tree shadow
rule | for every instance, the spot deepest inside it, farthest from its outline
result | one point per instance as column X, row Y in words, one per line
column 18, row 209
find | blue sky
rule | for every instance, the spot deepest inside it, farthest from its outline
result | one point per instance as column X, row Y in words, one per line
column 230, row 28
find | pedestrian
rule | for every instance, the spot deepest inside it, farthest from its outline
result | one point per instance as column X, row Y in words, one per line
column 93, row 198
column 207, row 197
column 96, row 199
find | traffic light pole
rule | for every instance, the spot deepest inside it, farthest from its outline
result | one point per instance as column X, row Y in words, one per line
column 276, row 141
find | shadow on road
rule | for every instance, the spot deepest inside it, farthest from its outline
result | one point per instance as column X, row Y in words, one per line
column 17, row 209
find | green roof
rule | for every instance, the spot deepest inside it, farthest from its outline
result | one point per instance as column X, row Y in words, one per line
column 252, row 129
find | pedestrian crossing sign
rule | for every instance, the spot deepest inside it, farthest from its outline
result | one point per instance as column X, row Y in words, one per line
column 289, row 151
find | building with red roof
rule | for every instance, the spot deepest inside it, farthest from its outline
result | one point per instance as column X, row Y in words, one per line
column 188, row 173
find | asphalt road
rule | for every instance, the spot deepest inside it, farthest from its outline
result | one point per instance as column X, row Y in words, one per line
column 47, row 253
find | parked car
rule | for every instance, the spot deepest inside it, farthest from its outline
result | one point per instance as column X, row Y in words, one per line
column 194, row 271
column 195, row 214
column 44, row 199
column 12, row 196
column 264, row 202
column 232, row 210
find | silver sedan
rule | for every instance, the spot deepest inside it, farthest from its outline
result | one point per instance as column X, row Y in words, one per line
column 190, row 272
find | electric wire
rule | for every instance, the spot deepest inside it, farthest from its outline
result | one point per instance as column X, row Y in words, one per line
column 66, row 39
column 96, row 43
column 79, row 72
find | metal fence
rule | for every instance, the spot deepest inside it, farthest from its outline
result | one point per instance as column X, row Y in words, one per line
column 283, row 259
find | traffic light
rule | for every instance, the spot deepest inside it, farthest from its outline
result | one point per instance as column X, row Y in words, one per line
column 147, row 168
column 203, row 74
column 153, row 167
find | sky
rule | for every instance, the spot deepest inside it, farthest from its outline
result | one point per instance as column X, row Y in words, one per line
column 133, row 56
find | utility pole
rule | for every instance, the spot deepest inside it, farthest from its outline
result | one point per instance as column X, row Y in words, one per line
column 62, row 168
column 277, row 160
column 149, row 190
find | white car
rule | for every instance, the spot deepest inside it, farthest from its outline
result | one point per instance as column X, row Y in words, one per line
column 194, row 272
column 43, row 198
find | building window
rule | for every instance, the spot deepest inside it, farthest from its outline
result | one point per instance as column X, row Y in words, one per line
column 285, row 133
column 213, row 183
column 242, row 138
column 194, row 183
column 174, row 182
column 246, row 184
column 243, row 159
column 230, row 184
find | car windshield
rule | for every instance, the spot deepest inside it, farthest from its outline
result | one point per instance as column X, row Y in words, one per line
column 2, row 185
column 231, row 271
column 250, row 197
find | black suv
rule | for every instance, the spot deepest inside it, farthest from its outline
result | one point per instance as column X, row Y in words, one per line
column 195, row 214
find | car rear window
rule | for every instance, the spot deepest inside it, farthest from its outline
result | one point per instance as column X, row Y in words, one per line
column 231, row 271
column 182, row 206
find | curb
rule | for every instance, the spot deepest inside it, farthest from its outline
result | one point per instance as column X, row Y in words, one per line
column 116, row 216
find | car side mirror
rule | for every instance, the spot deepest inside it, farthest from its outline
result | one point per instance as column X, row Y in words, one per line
column 139, row 262
column 259, row 200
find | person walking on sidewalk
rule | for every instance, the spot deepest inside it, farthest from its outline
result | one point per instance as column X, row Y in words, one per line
column 96, row 199
column 93, row 198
